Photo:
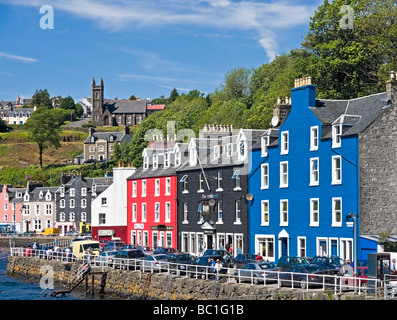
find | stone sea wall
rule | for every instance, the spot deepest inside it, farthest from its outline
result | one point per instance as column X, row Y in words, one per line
column 137, row 285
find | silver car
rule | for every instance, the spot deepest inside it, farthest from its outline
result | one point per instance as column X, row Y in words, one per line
column 105, row 259
column 155, row 262
column 257, row 272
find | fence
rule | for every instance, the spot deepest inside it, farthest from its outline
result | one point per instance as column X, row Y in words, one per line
column 378, row 289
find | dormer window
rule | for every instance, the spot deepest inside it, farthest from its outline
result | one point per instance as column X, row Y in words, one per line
column 178, row 158
column 155, row 161
column 284, row 142
column 264, row 144
column 111, row 138
column 217, row 152
column 193, row 156
column 229, row 149
column 26, row 197
column 145, row 163
column 92, row 139
column 166, row 160
column 336, row 135
column 41, row 195
column 242, row 148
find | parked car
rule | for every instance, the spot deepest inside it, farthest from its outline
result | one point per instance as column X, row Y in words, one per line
column 242, row 259
column 164, row 250
column 286, row 262
column 146, row 249
column 155, row 262
column 201, row 267
column 114, row 245
column 128, row 259
column 305, row 275
column 179, row 262
column 257, row 272
column 333, row 263
column 71, row 233
column 130, row 246
column 105, row 258
column 361, row 278
column 103, row 242
column 226, row 256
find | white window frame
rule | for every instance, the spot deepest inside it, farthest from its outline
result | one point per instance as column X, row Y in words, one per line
column 284, row 214
column 167, row 186
column 300, row 246
column 314, row 138
column 313, row 181
column 219, row 181
column 265, row 213
column 144, row 212
column 134, row 189
column 265, row 176
column 185, row 212
column 335, row 222
column 284, row 142
column 336, row 136
column 283, row 174
column 314, row 212
column 264, row 144
column 157, row 187
column 335, row 170
column 144, row 185
column 167, row 212
column 134, row 212
column 157, row 212
column 237, row 206
column 155, row 161
column 217, row 152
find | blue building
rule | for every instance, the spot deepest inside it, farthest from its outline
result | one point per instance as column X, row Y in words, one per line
column 305, row 175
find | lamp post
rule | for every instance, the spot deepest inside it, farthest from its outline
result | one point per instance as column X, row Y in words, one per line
column 354, row 217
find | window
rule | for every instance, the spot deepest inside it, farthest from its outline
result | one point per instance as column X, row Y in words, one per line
column 156, row 212
column 265, row 176
column 102, row 218
column 104, row 201
column 219, row 179
column 157, row 188
column 72, row 216
column 37, row 209
column 134, row 189
column 264, row 144
column 220, row 212
column 301, row 246
column 314, row 172
column 143, row 188
column 217, row 153
column 167, row 212
column 265, row 246
column 283, row 212
column 155, row 161
column 201, row 182
column 238, row 212
column 72, row 203
column 166, row 160
column 236, row 175
column 314, row 138
column 84, row 216
column 178, row 158
column 265, row 213
column 167, row 186
column 284, row 142
column 185, row 212
column 184, row 180
column 242, row 148
column 5, row 206
column 72, row 192
column 284, row 174
column 314, row 213
column 336, row 212
column 48, row 209
column 143, row 212
column 336, row 170
column 62, row 216
column 134, row 212
column 336, row 135
column 229, row 149
column 62, row 203
column 145, row 163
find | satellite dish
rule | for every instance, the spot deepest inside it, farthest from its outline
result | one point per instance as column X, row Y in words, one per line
column 274, row 121
column 212, row 202
column 249, row 196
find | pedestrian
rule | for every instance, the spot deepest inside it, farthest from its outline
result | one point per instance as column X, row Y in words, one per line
column 346, row 267
column 231, row 249
column 393, row 266
column 259, row 257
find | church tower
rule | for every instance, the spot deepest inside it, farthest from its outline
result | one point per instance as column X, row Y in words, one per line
column 97, row 102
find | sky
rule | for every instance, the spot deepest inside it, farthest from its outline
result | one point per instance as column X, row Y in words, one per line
column 140, row 47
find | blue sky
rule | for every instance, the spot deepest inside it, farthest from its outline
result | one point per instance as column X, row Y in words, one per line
column 141, row 47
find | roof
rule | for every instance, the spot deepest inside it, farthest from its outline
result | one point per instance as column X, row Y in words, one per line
column 105, row 136
column 354, row 114
column 156, row 106
column 125, row 106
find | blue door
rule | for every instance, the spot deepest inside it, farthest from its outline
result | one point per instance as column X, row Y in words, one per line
column 284, row 246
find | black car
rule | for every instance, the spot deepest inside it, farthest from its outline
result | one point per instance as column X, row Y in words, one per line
column 163, row 250
column 201, row 267
column 179, row 262
column 302, row 276
column 129, row 259
column 332, row 263
column 242, row 259
column 227, row 259
column 287, row 262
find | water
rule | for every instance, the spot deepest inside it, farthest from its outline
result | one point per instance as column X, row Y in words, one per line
column 12, row 288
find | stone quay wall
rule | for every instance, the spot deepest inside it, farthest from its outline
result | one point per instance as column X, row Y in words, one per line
column 137, row 285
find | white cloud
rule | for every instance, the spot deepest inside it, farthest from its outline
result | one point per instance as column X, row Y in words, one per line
column 262, row 20
column 13, row 57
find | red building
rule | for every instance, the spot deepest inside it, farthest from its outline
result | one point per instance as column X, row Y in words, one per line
column 151, row 201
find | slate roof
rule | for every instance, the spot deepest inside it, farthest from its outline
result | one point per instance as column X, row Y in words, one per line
column 125, row 106
column 106, row 135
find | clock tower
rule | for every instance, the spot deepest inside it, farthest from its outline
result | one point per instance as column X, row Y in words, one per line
column 97, row 102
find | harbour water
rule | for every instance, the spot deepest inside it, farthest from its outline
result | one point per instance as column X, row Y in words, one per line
column 20, row 289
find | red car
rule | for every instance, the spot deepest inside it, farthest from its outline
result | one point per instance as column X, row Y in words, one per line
column 361, row 279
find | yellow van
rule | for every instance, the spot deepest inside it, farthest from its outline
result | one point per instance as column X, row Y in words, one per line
column 80, row 247
column 50, row 232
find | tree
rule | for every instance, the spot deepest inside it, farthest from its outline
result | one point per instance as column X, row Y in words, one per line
column 41, row 98
column 43, row 128
column 173, row 95
column 68, row 103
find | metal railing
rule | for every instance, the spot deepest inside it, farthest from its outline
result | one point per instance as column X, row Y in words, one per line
column 302, row 281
